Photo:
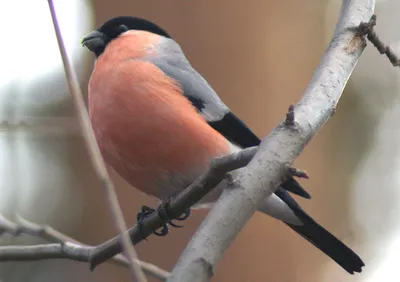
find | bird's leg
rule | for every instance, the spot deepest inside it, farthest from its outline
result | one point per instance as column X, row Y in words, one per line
column 146, row 211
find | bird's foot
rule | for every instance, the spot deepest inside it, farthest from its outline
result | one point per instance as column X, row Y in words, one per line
column 162, row 212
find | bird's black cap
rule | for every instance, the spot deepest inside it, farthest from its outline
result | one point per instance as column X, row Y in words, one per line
column 97, row 40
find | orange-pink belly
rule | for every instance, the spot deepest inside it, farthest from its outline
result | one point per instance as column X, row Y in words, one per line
column 147, row 130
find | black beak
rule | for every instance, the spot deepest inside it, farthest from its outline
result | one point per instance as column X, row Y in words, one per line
column 95, row 41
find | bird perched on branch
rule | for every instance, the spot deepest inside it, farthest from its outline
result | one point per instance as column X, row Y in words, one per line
column 159, row 123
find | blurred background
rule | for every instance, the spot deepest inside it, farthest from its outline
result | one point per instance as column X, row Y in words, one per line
column 259, row 56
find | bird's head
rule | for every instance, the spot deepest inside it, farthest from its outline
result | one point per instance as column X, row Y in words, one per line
column 97, row 40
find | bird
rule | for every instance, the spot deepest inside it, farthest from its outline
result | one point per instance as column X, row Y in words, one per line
column 159, row 123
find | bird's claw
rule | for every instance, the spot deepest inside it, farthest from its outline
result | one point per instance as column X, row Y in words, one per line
column 162, row 212
column 146, row 211
column 180, row 218
column 184, row 216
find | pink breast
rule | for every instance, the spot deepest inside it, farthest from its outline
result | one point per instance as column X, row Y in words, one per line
column 147, row 130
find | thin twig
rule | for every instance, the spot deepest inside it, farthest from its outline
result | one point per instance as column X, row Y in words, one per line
column 367, row 28
column 45, row 251
column 261, row 177
column 178, row 205
column 23, row 226
column 94, row 151
column 109, row 249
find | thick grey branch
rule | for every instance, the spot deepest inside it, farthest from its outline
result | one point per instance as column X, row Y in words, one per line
column 277, row 151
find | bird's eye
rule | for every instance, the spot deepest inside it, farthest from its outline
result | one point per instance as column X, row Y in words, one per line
column 122, row 28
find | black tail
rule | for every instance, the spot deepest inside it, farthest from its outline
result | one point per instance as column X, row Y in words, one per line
column 330, row 245
column 294, row 187
column 321, row 238
column 237, row 132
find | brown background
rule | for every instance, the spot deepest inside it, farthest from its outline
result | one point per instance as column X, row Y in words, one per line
column 259, row 57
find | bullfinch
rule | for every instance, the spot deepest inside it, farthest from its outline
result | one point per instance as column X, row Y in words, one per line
column 159, row 123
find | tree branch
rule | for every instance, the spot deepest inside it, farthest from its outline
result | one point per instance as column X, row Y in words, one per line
column 182, row 202
column 277, row 151
column 94, row 152
column 280, row 148
column 367, row 28
column 44, row 251
column 67, row 247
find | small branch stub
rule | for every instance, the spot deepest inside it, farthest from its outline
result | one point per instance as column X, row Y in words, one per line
column 367, row 28
column 298, row 173
column 289, row 121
